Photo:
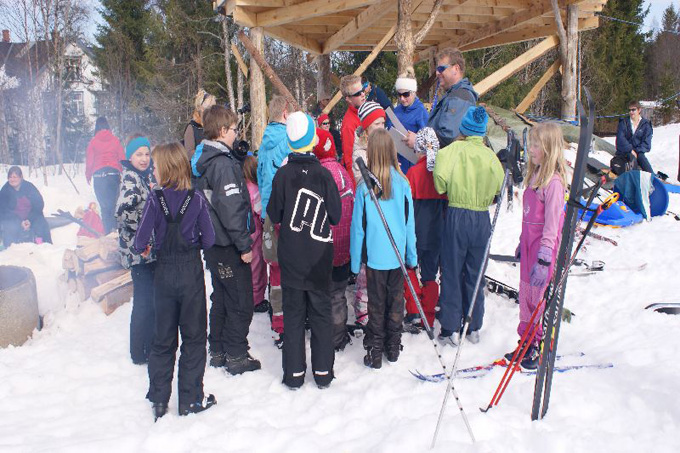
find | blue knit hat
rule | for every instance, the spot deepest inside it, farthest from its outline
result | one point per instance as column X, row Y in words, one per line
column 474, row 122
column 135, row 144
column 301, row 132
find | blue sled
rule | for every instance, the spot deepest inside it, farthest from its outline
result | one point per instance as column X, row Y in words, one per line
column 618, row 215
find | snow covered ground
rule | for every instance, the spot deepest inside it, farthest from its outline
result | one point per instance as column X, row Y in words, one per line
column 72, row 387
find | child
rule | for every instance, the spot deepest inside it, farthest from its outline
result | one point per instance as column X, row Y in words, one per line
column 180, row 221
column 429, row 208
column 136, row 184
column 385, row 281
column 470, row 175
column 543, row 208
column 305, row 201
column 258, row 267
column 325, row 152
column 221, row 179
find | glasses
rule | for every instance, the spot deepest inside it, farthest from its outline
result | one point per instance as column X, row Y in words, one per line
column 326, row 123
column 235, row 129
column 442, row 68
column 404, row 95
column 632, row 110
column 357, row 94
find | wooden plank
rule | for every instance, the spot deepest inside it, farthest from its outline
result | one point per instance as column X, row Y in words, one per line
column 115, row 299
column 360, row 23
column 313, row 8
column 244, row 17
column 294, row 38
column 103, row 277
column 102, row 290
column 515, row 65
column 533, row 93
column 239, row 59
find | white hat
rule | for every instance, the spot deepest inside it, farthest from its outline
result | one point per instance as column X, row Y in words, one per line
column 405, row 84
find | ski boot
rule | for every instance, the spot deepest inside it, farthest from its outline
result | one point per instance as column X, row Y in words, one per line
column 373, row 358
column 473, row 337
column 448, row 337
column 413, row 324
column 159, row 410
column 392, row 352
column 217, row 359
column 530, row 360
column 241, row 364
column 201, row 406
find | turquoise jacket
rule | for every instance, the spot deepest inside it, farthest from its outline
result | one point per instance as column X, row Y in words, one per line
column 273, row 150
column 398, row 211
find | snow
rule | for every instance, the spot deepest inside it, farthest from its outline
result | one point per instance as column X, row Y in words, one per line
column 72, row 387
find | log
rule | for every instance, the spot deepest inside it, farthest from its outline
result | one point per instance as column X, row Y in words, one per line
column 108, row 249
column 83, row 241
column 88, row 252
column 102, row 290
column 106, row 276
column 84, row 286
column 98, row 265
column 115, row 299
column 69, row 261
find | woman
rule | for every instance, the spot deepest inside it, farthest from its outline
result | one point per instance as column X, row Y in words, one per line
column 102, row 164
column 21, row 211
column 634, row 139
column 193, row 134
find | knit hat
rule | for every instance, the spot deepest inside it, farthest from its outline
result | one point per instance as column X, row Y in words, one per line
column 369, row 112
column 323, row 117
column 474, row 122
column 405, row 84
column 135, row 144
column 300, row 131
column 427, row 143
column 325, row 147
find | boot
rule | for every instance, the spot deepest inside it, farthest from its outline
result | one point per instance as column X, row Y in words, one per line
column 200, row 406
column 217, row 359
column 241, row 364
column 373, row 358
column 448, row 337
column 392, row 352
column 159, row 410
column 262, row 307
column 530, row 360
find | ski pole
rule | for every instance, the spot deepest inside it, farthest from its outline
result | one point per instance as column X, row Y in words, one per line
column 371, row 181
column 468, row 317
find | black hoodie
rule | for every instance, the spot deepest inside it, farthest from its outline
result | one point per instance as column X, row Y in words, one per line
column 225, row 188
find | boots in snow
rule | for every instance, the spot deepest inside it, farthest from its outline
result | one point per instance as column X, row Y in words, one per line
column 159, row 410
column 200, row 406
column 392, row 352
column 373, row 358
column 530, row 360
column 448, row 337
column 262, row 307
column 241, row 364
column 217, row 359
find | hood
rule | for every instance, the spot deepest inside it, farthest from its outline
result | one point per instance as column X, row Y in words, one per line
column 465, row 85
column 206, row 151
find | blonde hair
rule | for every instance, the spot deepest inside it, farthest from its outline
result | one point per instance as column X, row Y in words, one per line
column 548, row 137
column 382, row 155
column 348, row 81
column 202, row 100
column 172, row 162
column 277, row 106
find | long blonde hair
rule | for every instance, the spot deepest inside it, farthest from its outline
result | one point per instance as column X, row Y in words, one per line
column 202, row 101
column 548, row 137
column 174, row 171
column 382, row 155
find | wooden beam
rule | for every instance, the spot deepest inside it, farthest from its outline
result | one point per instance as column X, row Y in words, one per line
column 369, row 59
column 313, row 8
column 515, row 65
column 360, row 23
column 533, row 93
column 239, row 59
column 243, row 17
column 294, row 38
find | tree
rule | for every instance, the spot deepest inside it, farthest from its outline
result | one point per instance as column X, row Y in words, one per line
column 663, row 63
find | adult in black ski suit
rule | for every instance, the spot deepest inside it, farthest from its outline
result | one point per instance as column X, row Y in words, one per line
column 21, row 211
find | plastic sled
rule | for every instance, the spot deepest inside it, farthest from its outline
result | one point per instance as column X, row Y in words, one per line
column 618, row 215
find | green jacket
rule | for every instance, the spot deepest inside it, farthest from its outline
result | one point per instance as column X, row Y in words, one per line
column 469, row 173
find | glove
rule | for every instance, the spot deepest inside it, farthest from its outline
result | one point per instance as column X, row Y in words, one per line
column 518, row 252
column 539, row 273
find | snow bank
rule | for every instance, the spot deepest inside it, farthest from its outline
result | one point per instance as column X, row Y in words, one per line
column 73, row 388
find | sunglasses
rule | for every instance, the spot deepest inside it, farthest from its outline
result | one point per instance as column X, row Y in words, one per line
column 357, row 94
column 632, row 110
column 443, row 68
column 325, row 123
column 404, row 95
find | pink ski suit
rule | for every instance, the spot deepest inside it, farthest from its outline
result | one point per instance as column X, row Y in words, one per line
column 257, row 265
column 542, row 220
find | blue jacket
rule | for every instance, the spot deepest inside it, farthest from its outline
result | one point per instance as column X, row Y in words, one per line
column 414, row 118
column 273, row 150
column 446, row 116
column 378, row 248
column 640, row 141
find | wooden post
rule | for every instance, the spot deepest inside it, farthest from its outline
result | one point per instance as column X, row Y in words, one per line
column 256, row 55
column 239, row 59
column 258, row 101
column 323, row 77
column 533, row 93
column 568, row 57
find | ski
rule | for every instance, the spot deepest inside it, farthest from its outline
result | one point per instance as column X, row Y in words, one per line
column 668, row 308
column 497, row 287
column 555, row 303
column 599, row 237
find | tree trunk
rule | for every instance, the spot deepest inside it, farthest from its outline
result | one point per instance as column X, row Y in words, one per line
column 226, row 43
column 4, row 141
column 323, row 77
column 569, row 65
column 404, row 40
column 258, row 101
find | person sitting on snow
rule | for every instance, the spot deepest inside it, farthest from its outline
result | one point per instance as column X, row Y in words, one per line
column 634, row 138
column 21, row 211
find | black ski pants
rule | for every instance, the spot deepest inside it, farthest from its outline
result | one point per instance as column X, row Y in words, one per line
column 106, row 182
column 339, row 280
column 179, row 296
column 142, row 317
column 385, row 308
column 232, row 306
column 298, row 306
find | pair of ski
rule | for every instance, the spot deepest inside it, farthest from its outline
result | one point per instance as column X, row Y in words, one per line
column 587, row 267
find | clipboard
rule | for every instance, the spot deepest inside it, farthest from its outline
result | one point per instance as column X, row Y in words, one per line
column 398, row 132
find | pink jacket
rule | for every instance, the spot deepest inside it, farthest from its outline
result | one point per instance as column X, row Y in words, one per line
column 256, row 204
column 341, row 231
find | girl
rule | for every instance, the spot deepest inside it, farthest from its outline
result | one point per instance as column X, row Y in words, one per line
column 257, row 265
column 385, row 282
column 137, row 182
column 193, row 134
column 180, row 221
column 543, row 208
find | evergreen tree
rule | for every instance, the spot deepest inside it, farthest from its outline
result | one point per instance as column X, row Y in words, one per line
column 664, row 63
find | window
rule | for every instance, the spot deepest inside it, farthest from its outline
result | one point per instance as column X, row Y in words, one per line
column 73, row 69
column 74, row 103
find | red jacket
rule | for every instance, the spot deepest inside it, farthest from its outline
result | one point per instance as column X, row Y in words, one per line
column 350, row 122
column 104, row 150
column 422, row 182
column 341, row 231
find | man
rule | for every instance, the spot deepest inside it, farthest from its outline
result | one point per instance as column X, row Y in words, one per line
column 446, row 116
column 634, row 138
column 411, row 112
column 355, row 96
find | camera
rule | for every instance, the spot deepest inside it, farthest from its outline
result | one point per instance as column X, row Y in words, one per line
column 244, row 109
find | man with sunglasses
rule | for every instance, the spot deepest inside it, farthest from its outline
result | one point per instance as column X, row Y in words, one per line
column 634, row 138
column 355, row 96
column 411, row 112
column 446, row 116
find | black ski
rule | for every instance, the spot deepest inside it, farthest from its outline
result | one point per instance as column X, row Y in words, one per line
column 497, row 287
column 555, row 302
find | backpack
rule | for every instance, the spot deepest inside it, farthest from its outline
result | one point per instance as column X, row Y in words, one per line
column 622, row 163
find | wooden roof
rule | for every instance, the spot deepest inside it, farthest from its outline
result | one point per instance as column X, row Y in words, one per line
column 323, row 26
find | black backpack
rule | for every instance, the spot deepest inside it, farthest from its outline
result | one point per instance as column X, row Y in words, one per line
column 622, row 163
